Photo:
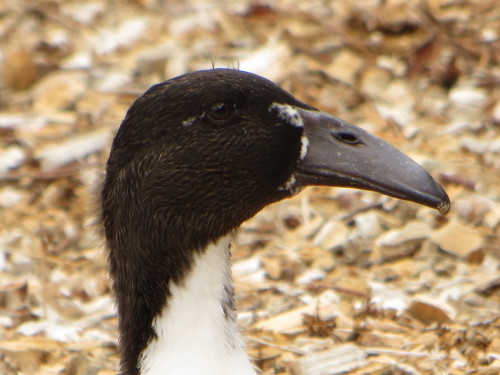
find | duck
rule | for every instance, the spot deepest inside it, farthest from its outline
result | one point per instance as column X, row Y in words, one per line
column 195, row 157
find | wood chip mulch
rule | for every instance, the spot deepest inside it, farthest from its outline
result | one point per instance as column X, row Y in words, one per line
column 333, row 281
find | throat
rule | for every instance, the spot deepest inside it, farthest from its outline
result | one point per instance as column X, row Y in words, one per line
column 196, row 331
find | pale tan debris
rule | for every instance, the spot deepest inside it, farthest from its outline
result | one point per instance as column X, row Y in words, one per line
column 467, row 104
column 267, row 61
column 19, row 70
column 393, row 64
column 367, row 225
column 22, row 121
column 81, row 365
column 197, row 19
column 310, row 275
column 58, row 91
column 481, row 145
column 496, row 112
column 494, row 346
column 13, row 294
column 413, row 230
column 386, row 298
column 258, row 277
column 9, row 197
column 72, row 149
column 291, row 321
column 381, row 338
column 85, row 13
column 28, row 353
column 11, row 158
column 247, row 318
column 246, row 267
column 473, row 208
column 273, row 267
column 338, row 360
column 345, row 66
column 457, row 239
column 310, row 227
column 154, row 60
column 395, row 364
column 396, row 103
column 492, row 217
column 79, row 60
column 333, row 233
column 373, row 79
column 490, row 370
column 489, row 287
column 123, row 36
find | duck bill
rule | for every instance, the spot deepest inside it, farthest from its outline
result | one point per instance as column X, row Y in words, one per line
column 336, row 153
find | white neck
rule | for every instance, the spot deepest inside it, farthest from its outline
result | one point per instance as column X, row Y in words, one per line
column 195, row 335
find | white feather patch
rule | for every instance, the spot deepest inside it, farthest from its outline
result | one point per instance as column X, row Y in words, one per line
column 194, row 335
column 304, row 144
column 288, row 113
column 190, row 121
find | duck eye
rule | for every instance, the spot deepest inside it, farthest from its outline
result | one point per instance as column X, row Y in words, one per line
column 348, row 138
column 220, row 111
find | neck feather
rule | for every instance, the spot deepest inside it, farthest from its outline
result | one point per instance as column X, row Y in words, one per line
column 196, row 332
column 169, row 262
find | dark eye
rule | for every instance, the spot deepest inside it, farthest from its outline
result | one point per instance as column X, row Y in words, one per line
column 348, row 138
column 220, row 111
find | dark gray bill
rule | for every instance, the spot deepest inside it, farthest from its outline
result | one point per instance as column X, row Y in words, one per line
column 341, row 154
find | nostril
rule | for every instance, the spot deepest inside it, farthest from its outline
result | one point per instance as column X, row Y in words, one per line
column 347, row 137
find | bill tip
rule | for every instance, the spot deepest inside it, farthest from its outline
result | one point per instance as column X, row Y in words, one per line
column 443, row 207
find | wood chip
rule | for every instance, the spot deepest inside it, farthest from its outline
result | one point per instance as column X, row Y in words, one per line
column 457, row 239
column 414, row 230
column 291, row 322
column 72, row 149
column 431, row 311
column 338, row 360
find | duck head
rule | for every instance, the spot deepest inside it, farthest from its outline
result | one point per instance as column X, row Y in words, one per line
column 219, row 145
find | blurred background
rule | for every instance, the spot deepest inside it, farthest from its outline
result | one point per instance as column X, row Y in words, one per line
column 331, row 281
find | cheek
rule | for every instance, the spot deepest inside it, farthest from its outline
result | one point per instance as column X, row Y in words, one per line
column 264, row 151
column 290, row 147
